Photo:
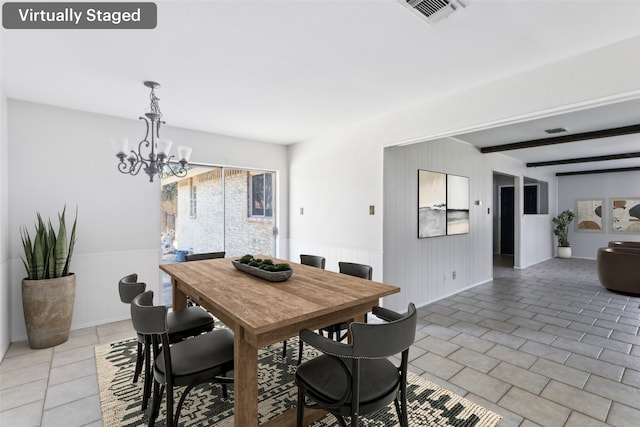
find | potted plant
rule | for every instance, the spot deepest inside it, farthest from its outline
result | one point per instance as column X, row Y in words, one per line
column 48, row 291
column 561, row 230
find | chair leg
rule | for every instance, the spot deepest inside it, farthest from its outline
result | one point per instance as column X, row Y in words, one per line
column 139, row 362
column 341, row 420
column 300, row 348
column 169, row 419
column 300, row 409
column 284, row 349
column 180, row 403
column 158, row 391
column 399, row 412
column 146, row 390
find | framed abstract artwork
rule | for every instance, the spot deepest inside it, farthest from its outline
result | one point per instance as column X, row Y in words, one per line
column 443, row 204
column 457, row 204
column 589, row 215
column 432, row 204
column 625, row 215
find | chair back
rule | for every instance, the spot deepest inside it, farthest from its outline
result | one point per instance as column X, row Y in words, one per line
column 208, row 255
column 129, row 288
column 313, row 260
column 381, row 340
column 148, row 319
column 354, row 269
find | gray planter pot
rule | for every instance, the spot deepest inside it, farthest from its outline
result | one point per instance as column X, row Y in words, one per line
column 48, row 309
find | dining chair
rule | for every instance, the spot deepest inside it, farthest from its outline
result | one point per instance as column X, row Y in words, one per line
column 199, row 257
column 206, row 255
column 362, row 271
column 181, row 324
column 349, row 380
column 313, row 261
column 354, row 269
column 205, row 358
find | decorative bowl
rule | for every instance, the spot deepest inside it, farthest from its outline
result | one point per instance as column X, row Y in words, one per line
column 271, row 276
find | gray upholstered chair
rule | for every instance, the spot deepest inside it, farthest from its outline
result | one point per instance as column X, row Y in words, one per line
column 354, row 269
column 182, row 324
column 205, row 358
column 362, row 271
column 355, row 379
column 313, row 261
column 201, row 256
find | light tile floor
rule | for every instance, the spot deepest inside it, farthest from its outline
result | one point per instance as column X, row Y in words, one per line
column 542, row 346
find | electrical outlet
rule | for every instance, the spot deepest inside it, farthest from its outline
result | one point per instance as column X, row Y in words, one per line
column 372, row 210
column 453, row 275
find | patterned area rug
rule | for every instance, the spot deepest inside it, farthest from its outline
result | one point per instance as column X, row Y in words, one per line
column 430, row 405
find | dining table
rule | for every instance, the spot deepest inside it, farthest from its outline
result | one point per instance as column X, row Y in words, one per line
column 261, row 312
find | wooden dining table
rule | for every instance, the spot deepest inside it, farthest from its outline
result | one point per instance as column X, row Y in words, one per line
column 261, row 313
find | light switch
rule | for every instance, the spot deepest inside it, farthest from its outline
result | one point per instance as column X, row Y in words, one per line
column 372, row 210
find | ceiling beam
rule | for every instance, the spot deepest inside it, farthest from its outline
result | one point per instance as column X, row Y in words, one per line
column 637, row 168
column 584, row 159
column 605, row 133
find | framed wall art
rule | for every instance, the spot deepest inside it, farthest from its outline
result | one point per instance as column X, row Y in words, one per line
column 443, row 204
column 625, row 214
column 457, row 204
column 589, row 215
column 432, row 204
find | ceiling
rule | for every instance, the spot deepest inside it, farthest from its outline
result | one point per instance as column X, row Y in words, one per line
column 288, row 71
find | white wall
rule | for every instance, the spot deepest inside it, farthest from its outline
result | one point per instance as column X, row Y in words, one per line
column 336, row 177
column 424, row 268
column 5, row 287
column 596, row 186
column 60, row 156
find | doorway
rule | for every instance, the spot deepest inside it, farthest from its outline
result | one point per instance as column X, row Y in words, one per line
column 503, row 221
column 507, row 220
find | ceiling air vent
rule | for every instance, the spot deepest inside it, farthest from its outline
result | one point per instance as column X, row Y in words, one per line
column 433, row 10
column 555, row 130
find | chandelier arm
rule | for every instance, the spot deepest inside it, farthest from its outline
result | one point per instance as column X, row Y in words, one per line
column 131, row 168
column 146, row 122
column 180, row 172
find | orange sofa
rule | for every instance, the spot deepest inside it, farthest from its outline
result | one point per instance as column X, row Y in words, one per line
column 619, row 267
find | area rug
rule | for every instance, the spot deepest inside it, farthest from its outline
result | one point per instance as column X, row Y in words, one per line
column 121, row 400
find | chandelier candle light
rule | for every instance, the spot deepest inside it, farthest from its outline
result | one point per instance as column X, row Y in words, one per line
column 157, row 160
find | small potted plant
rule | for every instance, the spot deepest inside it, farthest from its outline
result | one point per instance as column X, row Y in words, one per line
column 48, row 291
column 561, row 230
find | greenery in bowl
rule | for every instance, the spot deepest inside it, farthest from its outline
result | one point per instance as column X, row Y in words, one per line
column 264, row 264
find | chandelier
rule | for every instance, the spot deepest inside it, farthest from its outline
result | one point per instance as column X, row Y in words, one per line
column 153, row 153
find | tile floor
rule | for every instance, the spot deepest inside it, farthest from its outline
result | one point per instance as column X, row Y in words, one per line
column 542, row 346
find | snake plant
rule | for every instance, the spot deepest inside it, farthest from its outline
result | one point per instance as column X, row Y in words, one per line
column 48, row 255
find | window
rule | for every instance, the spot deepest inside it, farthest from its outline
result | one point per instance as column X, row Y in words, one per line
column 536, row 196
column 193, row 202
column 261, row 195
